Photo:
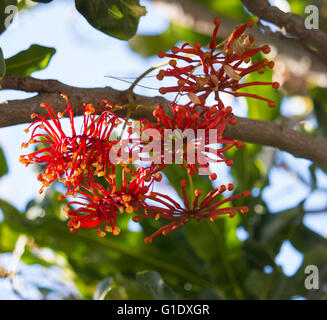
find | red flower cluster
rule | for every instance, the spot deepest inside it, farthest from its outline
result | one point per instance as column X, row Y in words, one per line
column 220, row 71
column 197, row 210
column 199, row 127
column 100, row 205
column 71, row 157
column 87, row 161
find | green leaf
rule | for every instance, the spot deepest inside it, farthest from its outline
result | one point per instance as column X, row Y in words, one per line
column 312, row 169
column 319, row 96
column 278, row 286
column 2, row 65
column 8, row 238
column 232, row 9
column 148, row 46
column 216, row 242
column 255, row 282
column 304, row 239
column 33, row 59
column 3, row 164
column 6, row 12
column 271, row 230
column 247, row 166
column 117, row 18
column 151, row 282
column 219, row 252
column 257, row 254
column 189, row 35
column 102, row 289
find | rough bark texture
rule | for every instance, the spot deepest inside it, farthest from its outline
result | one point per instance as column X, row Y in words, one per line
column 292, row 23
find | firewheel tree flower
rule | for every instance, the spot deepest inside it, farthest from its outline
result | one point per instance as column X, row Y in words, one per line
column 71, row 157
column 99, row 204
column 212, row 71
column 96, row 168
column 194, row 136
column 207, row 208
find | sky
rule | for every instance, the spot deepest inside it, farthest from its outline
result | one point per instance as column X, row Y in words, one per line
column 84, row 57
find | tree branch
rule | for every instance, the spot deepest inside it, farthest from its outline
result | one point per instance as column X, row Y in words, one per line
column 19, row 111
column 292, row 23
column 255, row 131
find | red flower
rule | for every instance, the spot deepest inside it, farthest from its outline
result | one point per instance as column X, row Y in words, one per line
column 100, row 205
column 71, row 157
column 220, row 71
column 198, row 210
column 201, row 126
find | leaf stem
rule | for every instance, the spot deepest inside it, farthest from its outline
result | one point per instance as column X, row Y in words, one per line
column 226, row 263
column 191, row 189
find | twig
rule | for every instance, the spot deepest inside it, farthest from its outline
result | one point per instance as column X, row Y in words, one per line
column 292, row 23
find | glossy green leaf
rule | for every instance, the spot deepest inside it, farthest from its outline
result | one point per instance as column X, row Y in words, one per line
column 116, row 18
column 3, row 164
column 151, row 282
column 33, row 59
